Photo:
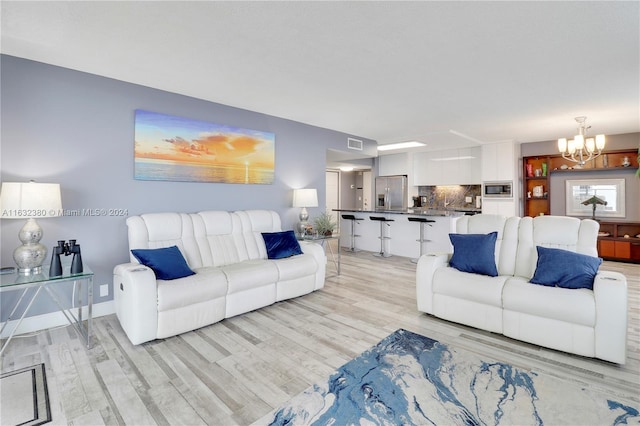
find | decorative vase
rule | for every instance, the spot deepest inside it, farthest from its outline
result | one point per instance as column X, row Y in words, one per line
column 544, row 169
column 529, row 170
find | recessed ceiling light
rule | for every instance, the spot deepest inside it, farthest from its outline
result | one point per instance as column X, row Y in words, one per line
column 462, row 157
column 400, row 145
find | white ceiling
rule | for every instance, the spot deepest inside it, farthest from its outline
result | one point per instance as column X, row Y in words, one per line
column 446, row 73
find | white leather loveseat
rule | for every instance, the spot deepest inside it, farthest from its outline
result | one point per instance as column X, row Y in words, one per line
column 233, row 275
column 583, row 321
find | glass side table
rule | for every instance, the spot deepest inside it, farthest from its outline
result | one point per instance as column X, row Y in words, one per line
column 39, row 282
column 323, row 240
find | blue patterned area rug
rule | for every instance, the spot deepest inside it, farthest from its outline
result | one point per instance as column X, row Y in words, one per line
column 409, row 379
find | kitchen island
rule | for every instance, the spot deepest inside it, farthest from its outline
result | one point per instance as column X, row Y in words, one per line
column 403, row 233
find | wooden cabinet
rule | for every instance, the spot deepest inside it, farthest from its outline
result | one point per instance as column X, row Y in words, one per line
column 613, row 245
column 536, row 185
column 537, row 170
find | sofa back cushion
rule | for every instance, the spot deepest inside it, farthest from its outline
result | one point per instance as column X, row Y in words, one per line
column 506, row 241
column 219, row 237
column 208, row 238
column 561, row 232
column 159, row 230
column 254, row 223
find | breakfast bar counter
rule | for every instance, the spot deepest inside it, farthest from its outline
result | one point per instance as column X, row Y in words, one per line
column 402, row 232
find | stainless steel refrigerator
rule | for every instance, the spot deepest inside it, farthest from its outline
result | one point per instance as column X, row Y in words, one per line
column 391, row 192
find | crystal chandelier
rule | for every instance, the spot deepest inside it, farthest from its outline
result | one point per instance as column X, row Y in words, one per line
column 581, row 149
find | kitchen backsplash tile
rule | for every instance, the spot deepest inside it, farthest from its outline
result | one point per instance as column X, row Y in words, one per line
column 450, row 196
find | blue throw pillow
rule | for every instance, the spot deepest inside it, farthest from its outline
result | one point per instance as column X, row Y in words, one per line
column 474, row 253
column 563, row 268
column 281, row 244
column 167, row 263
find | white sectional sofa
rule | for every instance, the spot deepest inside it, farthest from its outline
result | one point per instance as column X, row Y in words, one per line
column 583, row 321
column 233, row 275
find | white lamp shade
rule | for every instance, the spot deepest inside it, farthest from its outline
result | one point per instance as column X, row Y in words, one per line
column 20, row 200
column 306, row 197
column 600, row 142
column 562, row 144
column 590, row 144
column 571, row 146
column 578, row 140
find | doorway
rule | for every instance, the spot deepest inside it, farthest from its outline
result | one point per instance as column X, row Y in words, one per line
column 332, row 201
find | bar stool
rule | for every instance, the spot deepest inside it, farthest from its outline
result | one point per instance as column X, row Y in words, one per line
column 383, row 221
column 422, row 221
column 354, row 220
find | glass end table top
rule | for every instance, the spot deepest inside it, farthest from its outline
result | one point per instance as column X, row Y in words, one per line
column 316, row 237
column 15, row 279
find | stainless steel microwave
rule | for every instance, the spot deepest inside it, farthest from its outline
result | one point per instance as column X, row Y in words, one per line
column 502, row 189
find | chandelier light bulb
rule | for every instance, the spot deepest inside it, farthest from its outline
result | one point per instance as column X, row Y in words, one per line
column 578, row 141
column 562, row 144
column 581, row 148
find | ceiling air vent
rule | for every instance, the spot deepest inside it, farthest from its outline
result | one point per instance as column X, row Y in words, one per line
column 354, row 144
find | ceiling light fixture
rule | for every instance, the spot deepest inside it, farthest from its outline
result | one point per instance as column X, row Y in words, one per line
column 346, row 168
column 581, row 149
column 462, row 157
column 400, row 145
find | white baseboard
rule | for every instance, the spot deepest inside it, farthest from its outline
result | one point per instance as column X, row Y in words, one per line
column 56, row 319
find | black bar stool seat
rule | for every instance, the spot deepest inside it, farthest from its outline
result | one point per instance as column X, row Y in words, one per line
column 383, row 221
column 422, row 240
column 354, row 220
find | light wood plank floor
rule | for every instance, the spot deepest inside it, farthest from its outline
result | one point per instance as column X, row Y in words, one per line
column 236, row 371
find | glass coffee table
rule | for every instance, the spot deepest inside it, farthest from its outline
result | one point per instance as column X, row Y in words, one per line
column 32, row 285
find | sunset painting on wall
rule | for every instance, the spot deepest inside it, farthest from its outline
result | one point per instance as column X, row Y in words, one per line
column 173, row 148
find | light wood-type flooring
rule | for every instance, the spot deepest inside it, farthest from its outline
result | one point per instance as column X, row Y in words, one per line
column 238, row 370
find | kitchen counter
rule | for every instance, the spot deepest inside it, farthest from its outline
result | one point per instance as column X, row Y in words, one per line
column 403, row 233
column 421, row 211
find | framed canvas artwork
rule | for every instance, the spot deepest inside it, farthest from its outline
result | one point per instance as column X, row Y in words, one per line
column 170, row 148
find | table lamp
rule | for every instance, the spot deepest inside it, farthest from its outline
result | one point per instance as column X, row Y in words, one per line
column 30, row 201
column 305, row 197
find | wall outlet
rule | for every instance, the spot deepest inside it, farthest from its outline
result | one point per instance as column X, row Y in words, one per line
column 468, row 199
column 104, row 290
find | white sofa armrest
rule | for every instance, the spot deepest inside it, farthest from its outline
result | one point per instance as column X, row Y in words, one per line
column 427, row 265
column 136, row 299
column 316, row 250
column 610, row 292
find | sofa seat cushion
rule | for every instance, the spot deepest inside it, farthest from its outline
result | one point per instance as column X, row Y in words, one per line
column 250, row 274
column 473, row 287
column 295, row 267
column 576, row 306
column 206, row 284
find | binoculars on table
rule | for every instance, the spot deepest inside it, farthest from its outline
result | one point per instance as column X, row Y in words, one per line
column 55, row 270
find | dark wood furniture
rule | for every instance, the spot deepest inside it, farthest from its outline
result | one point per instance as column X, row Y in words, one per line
column 619, row 241
column 536, row 205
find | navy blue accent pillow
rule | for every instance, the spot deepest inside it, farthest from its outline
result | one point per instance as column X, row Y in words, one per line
column 563, row 268
column 474, row 253
column 167, row 263
column 281, row 244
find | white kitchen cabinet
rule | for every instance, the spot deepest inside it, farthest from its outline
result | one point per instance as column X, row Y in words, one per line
column 393, row 164
column 506, row 208
column 447, row 167
column 499, row 162
column 425, row 170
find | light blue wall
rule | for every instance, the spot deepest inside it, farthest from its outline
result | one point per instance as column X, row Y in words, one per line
column 77, row 129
